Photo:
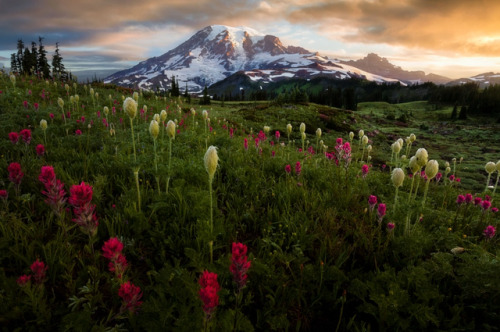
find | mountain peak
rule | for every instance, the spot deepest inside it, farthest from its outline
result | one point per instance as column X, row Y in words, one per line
column 376, row 64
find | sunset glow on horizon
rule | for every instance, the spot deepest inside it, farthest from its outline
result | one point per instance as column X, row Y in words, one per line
column 455, row 39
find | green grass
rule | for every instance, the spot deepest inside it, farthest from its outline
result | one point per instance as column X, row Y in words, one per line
column 320, row 260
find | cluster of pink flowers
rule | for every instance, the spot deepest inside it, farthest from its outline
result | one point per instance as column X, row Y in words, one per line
column 54, row 189
column 452, row 179
column 245, row 143
column 25, row 134
column 112, row 250
column 15, row 173
column 477, row 201
column 208, row 292
column 81, row 200
column 288, row 169
column 342, row 152
column 239, row 264
column 131, row 295
column 38, row 269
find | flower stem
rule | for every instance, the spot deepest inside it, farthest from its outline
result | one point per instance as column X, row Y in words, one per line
column 425, row 191
column 169, row 161
column 136, row 175
column 211, row 219
column 133, row 139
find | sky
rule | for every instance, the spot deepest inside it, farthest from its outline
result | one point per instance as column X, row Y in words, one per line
column 454, row 38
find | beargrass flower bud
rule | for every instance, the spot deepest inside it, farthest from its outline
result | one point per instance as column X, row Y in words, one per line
column 130, row 107
column 400, row 141
column 361, row 133
column 156, row 117
column 12, row 78
column 303, row 135
column 171, row 129
column 412, row 138
column 60, row 102
column 302, row 127
column 106, row 110
column 422, row 157
column 289, row 128
column 369, row 148
column 364, row 140
column 457, row 250
column 204, row 113
column 351, row 135
column 77, row 98
column 154, row 129
column 490, row 167
column 43, row 124
column 211, row 160
column 396, row 147
column 136, row 96
column 397, row 177
column 163, row 115
column 431, row 169
column 318, row 132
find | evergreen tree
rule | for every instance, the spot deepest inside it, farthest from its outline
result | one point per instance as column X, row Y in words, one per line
column 19, row 57
column 454, row 113
column 205, row 100
column 463, row 113
column 34, row 57
column 27, row 61
column 58, row 69
column 13, row 63
column 42, row 63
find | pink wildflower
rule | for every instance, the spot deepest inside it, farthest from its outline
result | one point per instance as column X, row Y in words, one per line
column 26, row 135
column 489, row 232
column 208, row 292
column 4, row 194
column 245, row 143
column 298, row 168
column 14, row 137
column 485, row 205
column 477, row 200
column 54, row 189
column 38, row 268
column 40, row 150
column 78, row 132
column 239, row 264
column 80, row 198
column 130, row 295
column 23, row 280
column 468, row 198
column 15, row 173
column 460, row 199
column 372, row 201
column 390, row 226
column 381, row 210
column 365, row 169
column 288, row 168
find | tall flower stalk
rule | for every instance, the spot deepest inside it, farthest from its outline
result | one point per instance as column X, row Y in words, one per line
column 171, row 137
column 397, row 177
column 130, row 107
column 490, row 168
column 154, row 130
column 136, row 177
column 211, row 160
column 431, row 169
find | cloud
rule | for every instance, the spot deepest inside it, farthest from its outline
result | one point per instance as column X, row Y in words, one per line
column 452, row 26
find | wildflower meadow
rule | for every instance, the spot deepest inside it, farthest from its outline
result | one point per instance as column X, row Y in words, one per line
column 125, row 210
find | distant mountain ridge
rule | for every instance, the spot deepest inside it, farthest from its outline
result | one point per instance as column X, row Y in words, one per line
column 381, row 66
column 218, row 51
column 483, row 80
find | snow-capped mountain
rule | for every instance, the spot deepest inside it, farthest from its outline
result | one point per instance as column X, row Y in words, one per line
column 218, row 51
column 484, row 80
